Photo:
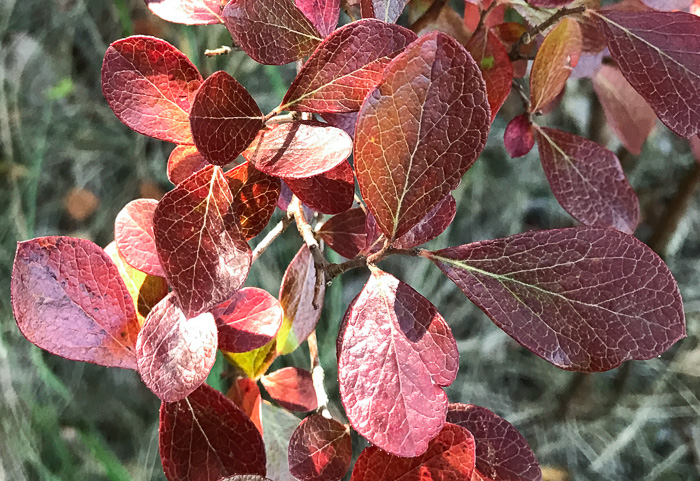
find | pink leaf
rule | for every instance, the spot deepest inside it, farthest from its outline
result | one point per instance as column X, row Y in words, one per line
column 320, row 450
column 188, row 12
column 519, row 138
column 432, row 225
column 323, row 14
column 345, row 232
column 133, row 233
column 184, row 161
column 329, row 193
column 291, row 388
column 387, row 11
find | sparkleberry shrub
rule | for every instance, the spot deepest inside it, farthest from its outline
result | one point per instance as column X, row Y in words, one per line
column 413, row 107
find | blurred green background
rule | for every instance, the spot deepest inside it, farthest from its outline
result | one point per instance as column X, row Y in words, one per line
column 67, row 166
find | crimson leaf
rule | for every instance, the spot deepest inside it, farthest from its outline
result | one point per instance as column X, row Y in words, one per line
column 292, row 388
column 133, row 232
column 492, row 57
column 385, row 10
column 345, row 232
column 320, row 450
column 187, row 12
column 431, row 226
column 329, row 193
column 519, row 138
column 323, row 14
column 244, row 392
column 184, row 161
column 255, row 197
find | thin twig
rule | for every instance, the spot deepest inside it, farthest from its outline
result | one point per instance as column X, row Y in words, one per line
column 223, row 50
column 307, row 234
column 317, row 377
column 527, row 37
column 276, row 231
column 484, row 14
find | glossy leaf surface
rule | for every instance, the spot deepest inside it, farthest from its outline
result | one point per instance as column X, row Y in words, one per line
column 199, row 241
column 396, row 351
column 279, row 425
column 519, row 137
column 320, row 450
column 255, row 197
column 150, row 85
column 291, row 388
column 584, row 299
column 385, row 10
column 69, row 299
column 323, row 14
column 587, row 180
column 133, row 233
column 432, row 225
column 206, row 437
column 187, row 12
column 244, row 392
column 184, row 161
column 329, row 193
column 496, row 68
column 345, row 232
column 419, row 131
column 224, row 119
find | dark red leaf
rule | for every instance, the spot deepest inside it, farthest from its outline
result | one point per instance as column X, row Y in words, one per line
column 496, row 67
column 248, row 320
column 587, row 180
column 272, row 32
column 432, row 225
column 246, row 394
column 549, row 3
column 175, row 354
column 184, row 161
column 200, row 244
column 133, row 232
column 150, row 85
column 450, row 457
column 323, row 14
column 502, row 453
column 291, row 388
column 385, row 10
column 69, row 299
column 245, row 477
column 419, row 131
column 345, row 121
column 374, row 239
column 345, row 232
column 188, row 12
column 224, row 119
column 206, row 437
column 657, row 54
column 296, row 150
column 584, row 299
column 346, row 66
column 255, row 197
column 519, row 138
column 396, row 351
column 329, row 193
column 320, row 450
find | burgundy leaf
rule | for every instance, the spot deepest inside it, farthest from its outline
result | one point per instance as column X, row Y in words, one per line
column 245, row 477
column 320, row 450
column 496, row 67
column 385, row 10
column 519, row 137
column 175, row 354
column 291, row 388
column 549, row 3
column 255, row 197
column 658, row 54
column 199, row 241
column 248, row 320
column 587, row 180
column 244, row 392
column 374, row 239
column 345, row 232
column 224, row 119
column 184, row 161
column 272, row 32
column 345, row 121
column 432, row 225
column 188, row 12
column 396, row 351
column 323, row 14
column 133, row 232
column 150, row 85
column 584, row 299
column 668, row 4
column 346, row 66
column 502, row 453
column 206, row 437
column 329, row 193
column 419, row 131
column 69, row 299
column 296, row 150
column 450, row 457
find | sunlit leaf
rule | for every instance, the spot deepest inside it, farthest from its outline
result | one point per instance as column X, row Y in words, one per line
column 255, row 197
column 320, row 450
column 519, row 137
column 256, row 362
column 291, row 388
column 184, row 161
column 246, row 394
column 323, row 14
column 188, row 12
column 133, row 233
column 496, row 68
column 432, row 225
column 329, row 193
column 385, row 10
column 345, row 232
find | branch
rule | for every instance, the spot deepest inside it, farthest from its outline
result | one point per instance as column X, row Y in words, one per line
column 527, row 37
column 277, row 231
column 223, row 50
column 317, row 377
column 307, row 233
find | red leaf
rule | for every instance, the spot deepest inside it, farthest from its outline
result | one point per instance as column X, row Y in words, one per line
column 133, row 233
column 396, row 351
column 519, row 138
column 199, row 241
column 206, row 437
column 628, row 114
column 385, row 10
column 297, row 150
column 245, row 477
column 584, row 299
column 296, row 297
column 345, row 232
column 255, row 197
column 320, row 450
column 329, row 193
column 432, row 225
column 69, row 299
column 657, row 54
column 419, row 131
column 273, row 32
column 248, row 320
column 587, row 180
column 175, row 354
column 374, row 239
column 496, row 67
column 184, row 161
column 291, row 388
column 224, row 119
column 557, row 56
column 502, row 453
column 188, row 12
column 323, row 14
column 450, row 457
column 150, row 85
column 246, row 394
column 345, row 121
column 346, row 66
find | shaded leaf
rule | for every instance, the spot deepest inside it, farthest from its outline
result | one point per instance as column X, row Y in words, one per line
column 435, row 93
column 224, row 119
column 246, row 394
column 291, row 388
column 150, row 85
column 279, row 426
column 345, row 121
column 432, row 225
column 323, row 14
column 587, row 180
column 374, row 239
column 396, row 351
column 199, row 241
column 255, row 197
column 320, row 450
column 519, row 137
column 329, row 193
column 184, row 161
column 206, row 437
column 133, row 233
column 450, row 22
column 346, row 66
column 69, row 299
column 187, row 12
column 496, row 67
column 345, row 232
column 385, row 10
column 668, row 4
column 584, row 299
